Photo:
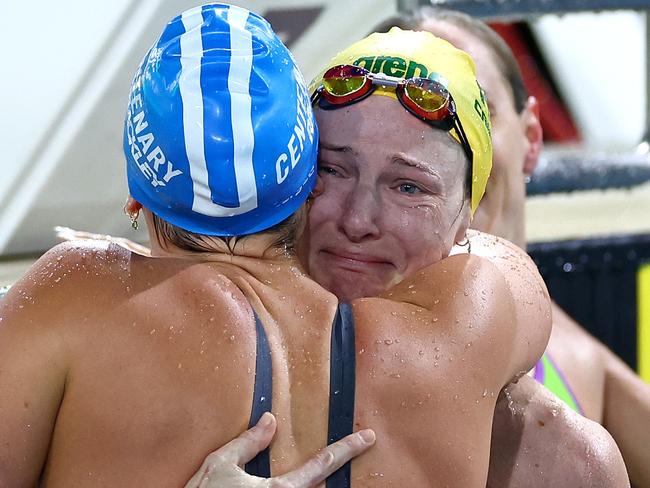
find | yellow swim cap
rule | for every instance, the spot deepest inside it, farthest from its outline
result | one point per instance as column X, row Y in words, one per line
column 408, row 54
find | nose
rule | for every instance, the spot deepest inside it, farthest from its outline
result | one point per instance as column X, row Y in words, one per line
column 359, row 221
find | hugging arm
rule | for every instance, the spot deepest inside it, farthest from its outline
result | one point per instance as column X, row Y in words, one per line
column 538, row 441
column 530, row 310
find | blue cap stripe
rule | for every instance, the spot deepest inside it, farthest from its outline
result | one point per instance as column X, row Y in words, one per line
column 241, row 65
column 189, row 84
column 192, row 96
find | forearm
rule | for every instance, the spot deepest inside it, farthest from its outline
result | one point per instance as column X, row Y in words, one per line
column 537, row 441
column 627, row 418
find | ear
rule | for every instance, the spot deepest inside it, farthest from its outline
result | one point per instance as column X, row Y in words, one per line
column 132, row 206
column 533, row 130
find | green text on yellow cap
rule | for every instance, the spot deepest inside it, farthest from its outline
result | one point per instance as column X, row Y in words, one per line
column 408, row 54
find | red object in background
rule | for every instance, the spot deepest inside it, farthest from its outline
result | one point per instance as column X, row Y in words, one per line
column 557, row 122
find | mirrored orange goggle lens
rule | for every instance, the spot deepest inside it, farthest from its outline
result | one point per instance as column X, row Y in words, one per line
column 427, row 96
column 340, row 86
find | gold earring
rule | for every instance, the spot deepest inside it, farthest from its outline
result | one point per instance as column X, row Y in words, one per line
column 133, row 217
column 134, row 220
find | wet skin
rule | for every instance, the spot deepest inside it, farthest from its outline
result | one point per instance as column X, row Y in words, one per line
column 114, row 359
column 148, row 363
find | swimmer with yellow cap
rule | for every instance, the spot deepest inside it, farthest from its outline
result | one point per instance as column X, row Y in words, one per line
column 432, row 119
column 399, row 175
column 430, row 77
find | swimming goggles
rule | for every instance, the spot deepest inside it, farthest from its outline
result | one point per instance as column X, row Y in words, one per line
column 427, row 99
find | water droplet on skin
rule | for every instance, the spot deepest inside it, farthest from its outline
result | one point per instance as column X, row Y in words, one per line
column 152, row 331
column 388, row 342
column 485, row 392
column 232, row 338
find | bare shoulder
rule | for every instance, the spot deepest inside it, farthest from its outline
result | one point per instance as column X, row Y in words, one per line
column 66, row 276
column 497, row 288
column 514, row 262
column 72, row 258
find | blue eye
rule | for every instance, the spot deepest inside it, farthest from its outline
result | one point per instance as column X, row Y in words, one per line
column 327, row 170
column 408, row 188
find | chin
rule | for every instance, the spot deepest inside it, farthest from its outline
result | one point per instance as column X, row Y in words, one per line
column 347, row 291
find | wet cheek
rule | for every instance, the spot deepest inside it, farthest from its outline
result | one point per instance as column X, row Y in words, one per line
column 324, row 208
column 419, row 231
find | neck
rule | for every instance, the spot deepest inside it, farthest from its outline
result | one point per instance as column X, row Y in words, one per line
column 262, row 247
column 518, row 237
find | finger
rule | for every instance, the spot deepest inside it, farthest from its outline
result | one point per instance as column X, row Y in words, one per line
column 330, row 459
column 248, row 444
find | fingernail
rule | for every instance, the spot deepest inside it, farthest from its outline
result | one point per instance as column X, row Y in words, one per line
column 367, row 435
column 265, row 420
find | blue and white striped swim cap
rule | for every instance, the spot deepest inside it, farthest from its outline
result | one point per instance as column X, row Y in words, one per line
column 219, row 137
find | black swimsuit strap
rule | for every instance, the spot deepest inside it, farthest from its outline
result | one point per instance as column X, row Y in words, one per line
column 262, row 398
column 342, row 387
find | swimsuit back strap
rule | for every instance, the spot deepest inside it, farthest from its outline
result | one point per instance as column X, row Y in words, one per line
column 262, row 397
column 342, row 387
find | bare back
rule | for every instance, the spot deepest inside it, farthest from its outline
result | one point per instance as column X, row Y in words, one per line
column 132, row 369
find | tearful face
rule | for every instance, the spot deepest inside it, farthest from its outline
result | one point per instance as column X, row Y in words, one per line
column 390, row 198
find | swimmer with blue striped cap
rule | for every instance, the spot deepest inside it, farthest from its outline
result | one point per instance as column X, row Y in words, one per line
column 127, row 370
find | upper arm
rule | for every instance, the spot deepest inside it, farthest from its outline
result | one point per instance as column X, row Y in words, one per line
column 32, row 371
column 531, row 311
column 499, row 291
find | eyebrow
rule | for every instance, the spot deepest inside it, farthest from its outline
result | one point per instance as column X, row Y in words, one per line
column 403, row 160
column 333, row 148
